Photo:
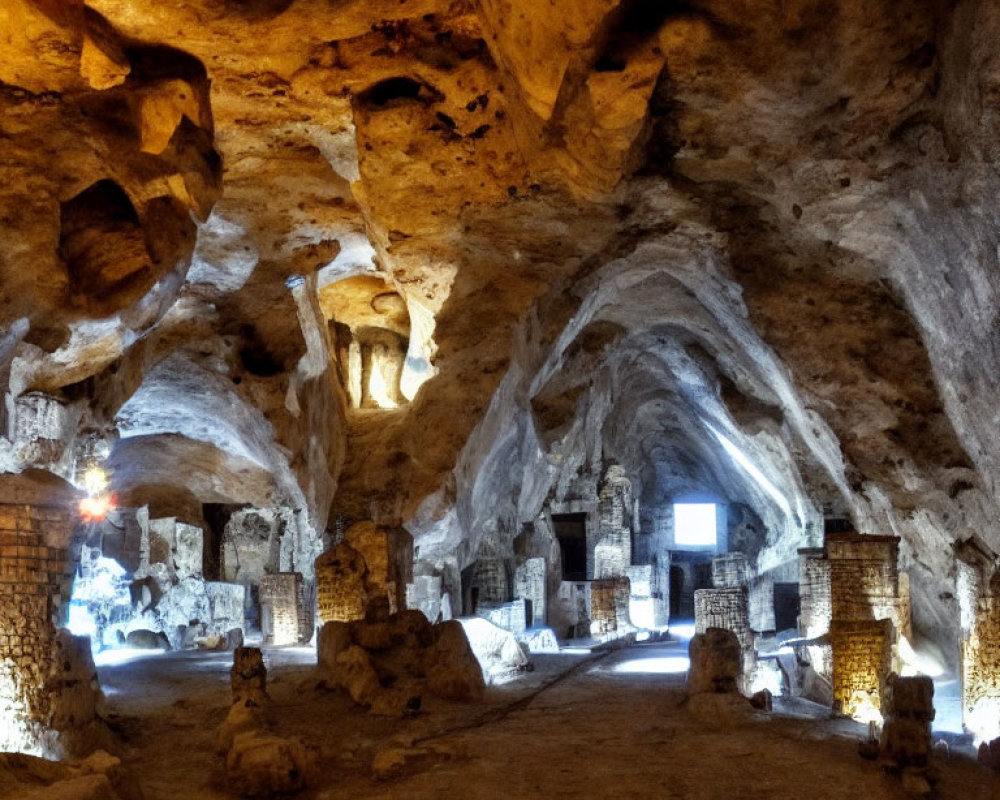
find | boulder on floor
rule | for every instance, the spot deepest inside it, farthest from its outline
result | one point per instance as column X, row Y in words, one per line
column 716, row 662
column 388, row 663
column 497, row 650
column 100, row 776
column 261, row 764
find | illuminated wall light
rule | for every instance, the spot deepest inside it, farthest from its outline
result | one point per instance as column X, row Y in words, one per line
column 94, row 509
column 95, row 481
column 98, row 502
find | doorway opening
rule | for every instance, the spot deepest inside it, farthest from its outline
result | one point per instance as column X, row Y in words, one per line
column 571, row 531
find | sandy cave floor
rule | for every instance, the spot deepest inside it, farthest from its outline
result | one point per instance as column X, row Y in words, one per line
column 578, row 726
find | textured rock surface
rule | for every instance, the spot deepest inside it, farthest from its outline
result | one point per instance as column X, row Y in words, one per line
column 625, row 232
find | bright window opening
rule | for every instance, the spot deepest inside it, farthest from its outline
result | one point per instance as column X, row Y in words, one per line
column 694, row 524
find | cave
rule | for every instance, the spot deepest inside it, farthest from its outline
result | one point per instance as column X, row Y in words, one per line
column 499, row 398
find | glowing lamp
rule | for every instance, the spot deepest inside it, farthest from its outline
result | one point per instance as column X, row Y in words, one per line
column 94, row 509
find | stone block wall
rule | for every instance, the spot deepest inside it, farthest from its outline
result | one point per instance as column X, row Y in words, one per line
column 490, row 579
column 509, row 616
column 287, row 619
column 35, row 581
column 864, row 581
column 340, row 585
column 862, row 662
column 814, row 593
column 729, row 571
column 529, row 584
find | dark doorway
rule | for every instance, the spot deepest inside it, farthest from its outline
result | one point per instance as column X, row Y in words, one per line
column 571, row 531
column 676, row 590
column 786, row 606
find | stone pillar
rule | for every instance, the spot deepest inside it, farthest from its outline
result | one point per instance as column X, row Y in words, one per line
column 529, row 584
column 906, row 735
column 611, row 554
column 716, row 662
column 608, row 608
column 761, row 597
column 728, row 609
column 864, row 589
column 340, row 585
column 251, row 546
column 286, row 620
column 978, row 590
column 641, row 607
column 42, row 427
column 489, row 578
column 424, row 593
column 864, row 580
column 388, row 556
column 814, row 593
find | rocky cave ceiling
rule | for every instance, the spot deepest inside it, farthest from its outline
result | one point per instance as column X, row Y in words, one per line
column 605, row 231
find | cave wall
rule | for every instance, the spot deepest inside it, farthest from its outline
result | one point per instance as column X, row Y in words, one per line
column 740, row 249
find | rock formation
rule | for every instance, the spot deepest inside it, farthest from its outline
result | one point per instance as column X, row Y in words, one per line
column 485, row 272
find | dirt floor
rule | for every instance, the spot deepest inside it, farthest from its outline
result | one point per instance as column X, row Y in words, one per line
column 596, row 725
